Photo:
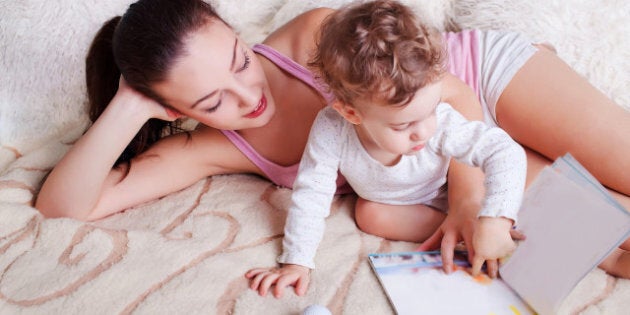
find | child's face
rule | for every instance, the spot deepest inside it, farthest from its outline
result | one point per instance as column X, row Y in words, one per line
column 387, row 131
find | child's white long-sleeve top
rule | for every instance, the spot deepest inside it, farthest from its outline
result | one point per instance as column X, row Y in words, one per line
column 333, row 146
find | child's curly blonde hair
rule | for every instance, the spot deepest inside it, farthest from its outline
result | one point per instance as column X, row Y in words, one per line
column 377, row 51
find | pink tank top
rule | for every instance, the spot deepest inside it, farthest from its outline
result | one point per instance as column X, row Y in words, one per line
column 279, row 174
column 463, row 56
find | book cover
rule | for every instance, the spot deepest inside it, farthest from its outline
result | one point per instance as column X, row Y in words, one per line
column 571, row 223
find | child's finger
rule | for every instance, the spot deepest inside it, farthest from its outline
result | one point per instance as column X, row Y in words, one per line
column 282, row 283
column 253, row 272
column 492, row 267
column 431, row 243
column 302, row 285
column 266, row 283
column 471, row 251
column 254, row 283
column 448, row 249
column 517, row 235
column 476, row 265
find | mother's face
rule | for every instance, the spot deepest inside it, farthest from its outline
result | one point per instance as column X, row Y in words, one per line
column 218, row 81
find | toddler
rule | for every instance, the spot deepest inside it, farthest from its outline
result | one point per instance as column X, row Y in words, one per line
column 392, row 138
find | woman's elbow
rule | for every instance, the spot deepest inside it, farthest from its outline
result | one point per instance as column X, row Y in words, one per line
column 51, row 210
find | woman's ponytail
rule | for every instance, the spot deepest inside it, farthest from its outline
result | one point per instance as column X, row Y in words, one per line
column 102, row 78
column 101, row 72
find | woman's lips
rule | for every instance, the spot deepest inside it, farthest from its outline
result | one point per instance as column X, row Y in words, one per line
column 262, row 105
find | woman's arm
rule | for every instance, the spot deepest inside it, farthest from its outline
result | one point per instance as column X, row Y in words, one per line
column 75, row 184
column 84, row 185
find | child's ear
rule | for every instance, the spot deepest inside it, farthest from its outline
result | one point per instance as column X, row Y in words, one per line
column 348, row 112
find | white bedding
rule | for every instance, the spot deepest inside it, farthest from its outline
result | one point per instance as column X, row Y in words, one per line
column 187, row 252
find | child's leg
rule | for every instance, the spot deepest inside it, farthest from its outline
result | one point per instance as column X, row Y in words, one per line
column 414, row 223
column 618, row 262
column 551, row 109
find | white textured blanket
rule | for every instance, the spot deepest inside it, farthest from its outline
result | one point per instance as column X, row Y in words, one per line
column 187, row 252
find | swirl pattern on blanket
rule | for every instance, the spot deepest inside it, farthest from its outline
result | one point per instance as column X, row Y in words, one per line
column 188, row 252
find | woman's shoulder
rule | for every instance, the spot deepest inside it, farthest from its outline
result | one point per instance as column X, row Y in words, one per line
column 206, row 149
column 297, row 38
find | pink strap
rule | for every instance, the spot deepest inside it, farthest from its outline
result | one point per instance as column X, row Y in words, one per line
column 297, row 70
column 280, row 175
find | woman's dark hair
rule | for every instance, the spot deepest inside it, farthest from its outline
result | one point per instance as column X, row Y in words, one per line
column 141, row 45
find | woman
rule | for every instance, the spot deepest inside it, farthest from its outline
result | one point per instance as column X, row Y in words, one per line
column 255, row 110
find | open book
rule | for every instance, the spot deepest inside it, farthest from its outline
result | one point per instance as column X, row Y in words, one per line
column 571, row 224
column 415, row 284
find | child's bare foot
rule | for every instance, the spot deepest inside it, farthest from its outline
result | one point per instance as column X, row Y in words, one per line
column 617, row 263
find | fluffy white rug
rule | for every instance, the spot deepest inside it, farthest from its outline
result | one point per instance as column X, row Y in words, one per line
column 187, row 252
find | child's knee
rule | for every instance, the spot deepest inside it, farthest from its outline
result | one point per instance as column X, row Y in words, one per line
column 368, row 217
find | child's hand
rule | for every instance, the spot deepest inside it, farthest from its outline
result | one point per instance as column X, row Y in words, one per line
column 491, row 240
column 261, row 279
column 458, row 226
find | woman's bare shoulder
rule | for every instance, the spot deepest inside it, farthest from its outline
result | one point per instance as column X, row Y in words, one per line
column 297, row 38
column 205, row 149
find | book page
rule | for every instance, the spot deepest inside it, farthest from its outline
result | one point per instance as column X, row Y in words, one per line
column 415, row 284
column 570, row 227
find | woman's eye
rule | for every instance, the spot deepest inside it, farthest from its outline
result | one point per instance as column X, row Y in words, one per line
column 213, row 108
column 246, row 62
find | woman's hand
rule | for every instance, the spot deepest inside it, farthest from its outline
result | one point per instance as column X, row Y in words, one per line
column 137, row 101
column 261, row 279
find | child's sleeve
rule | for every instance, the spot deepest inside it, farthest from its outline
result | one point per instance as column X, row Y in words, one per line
column 313, row 190
column 502, row 160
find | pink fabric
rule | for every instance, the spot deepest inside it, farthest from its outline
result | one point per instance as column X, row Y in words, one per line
column 463, row 59
column 279, row 174
column 295, row 69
